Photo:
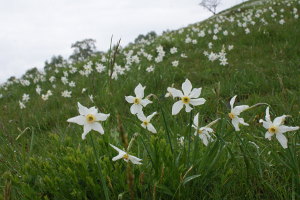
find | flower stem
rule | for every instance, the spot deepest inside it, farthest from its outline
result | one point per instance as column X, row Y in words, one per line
column 189, row 135
column 167, row 129
column 100, row 169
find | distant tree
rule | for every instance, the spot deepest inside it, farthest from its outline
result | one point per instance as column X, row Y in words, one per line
column 210, row 5
column 55, row 60
column 148, row 36
column 83, row 49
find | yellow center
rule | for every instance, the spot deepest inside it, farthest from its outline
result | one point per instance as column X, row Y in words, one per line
column 231, row 115
column 273, row 129
column 126, row 156
column 200, row 131
column 90, row 118
column 185, row 99
column 136, row 100
column 145, row 123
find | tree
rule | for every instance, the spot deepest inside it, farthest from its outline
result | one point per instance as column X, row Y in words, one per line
column 55, row 60
column 83, row 49
column 210, row 5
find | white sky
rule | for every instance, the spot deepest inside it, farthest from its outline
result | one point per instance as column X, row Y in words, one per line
column 31, row 31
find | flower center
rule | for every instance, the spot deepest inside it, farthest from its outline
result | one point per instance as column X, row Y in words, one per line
column 231, row 115
column 145, row 123
column 126, row 156
column 185, row 99
column 136, row 100
column 90, row 118
column 273, row 129
column 200, row 131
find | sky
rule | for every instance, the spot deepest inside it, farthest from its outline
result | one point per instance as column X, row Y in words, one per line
column 32, row 31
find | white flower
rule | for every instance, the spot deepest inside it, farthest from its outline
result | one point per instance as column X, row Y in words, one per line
column 137, row 102
column 277, row 128
column 25, row 98
column 203, row 132
column 146, row 121
column 126, row 157
column 150, row 69
column 181, row 140
column 89, row 118
column 173, row 50
column 188, row 97
column 235, row 112
column 175, row 63
column 66, row 94
column 22, row 105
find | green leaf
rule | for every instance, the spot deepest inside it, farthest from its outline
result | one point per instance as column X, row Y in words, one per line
column 188, row 179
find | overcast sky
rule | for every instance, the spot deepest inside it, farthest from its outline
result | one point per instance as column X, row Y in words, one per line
column 31, row 31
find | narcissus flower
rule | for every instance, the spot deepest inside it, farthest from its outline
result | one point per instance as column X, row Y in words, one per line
column 187, row 98
column 234, row 114
column 89, row 118
column 137, row 102
column 125, row 156
column 205, row 131
column 146, row 121
column 277, row 128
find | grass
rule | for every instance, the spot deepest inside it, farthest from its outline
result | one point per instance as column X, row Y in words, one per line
column 49, row 160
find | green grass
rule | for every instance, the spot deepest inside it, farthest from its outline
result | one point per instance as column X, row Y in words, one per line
column 51, row 161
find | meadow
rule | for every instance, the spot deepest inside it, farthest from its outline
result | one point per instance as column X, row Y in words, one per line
column 250, row 52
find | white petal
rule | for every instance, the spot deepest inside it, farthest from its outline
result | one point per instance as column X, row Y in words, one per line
column 235, row 122
column 195, row 93
column 268, row 118
column 282, row 140
column 143, row 125
column 241, row 121
column 283, row 129
column 268, row 135
column 139, row 91
column 145, row 102
column 129, row 99
column 86, row 129
column 197, row 102
column 118, row 157
column 266, row 125
column 188, row 108
column 232, row 100
column 101, row 116
column 177, row 107
column 141, row 116
column 97, row 127
column 82, row 110
column 238, row 109
column 117, row 149
column 175, row 93
column 279, row 120
column 186, row 87
column 151, row 116
column 196, row 120
column 151, row 128
column 135, row 160
column 80, row 120
column 136, row 108
column 93, row 110
column 204, row 139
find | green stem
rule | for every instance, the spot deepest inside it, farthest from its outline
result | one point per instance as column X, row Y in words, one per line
column 167, row 129
column 100, row 170
column 189, row 135
column 147, row 151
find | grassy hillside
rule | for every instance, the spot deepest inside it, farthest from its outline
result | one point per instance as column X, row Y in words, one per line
column 251, row 51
